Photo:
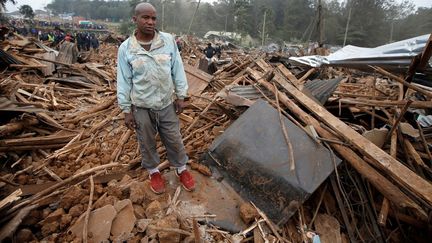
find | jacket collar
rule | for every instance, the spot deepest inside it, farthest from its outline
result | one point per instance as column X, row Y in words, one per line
column 136, row 48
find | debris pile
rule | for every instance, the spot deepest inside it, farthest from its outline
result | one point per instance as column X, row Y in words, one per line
column 71, row 167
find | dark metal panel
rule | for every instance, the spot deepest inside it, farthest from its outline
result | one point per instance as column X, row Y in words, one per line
column 253, row 156
column 322, row 89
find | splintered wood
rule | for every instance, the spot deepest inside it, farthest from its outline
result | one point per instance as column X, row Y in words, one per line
column 69, row 162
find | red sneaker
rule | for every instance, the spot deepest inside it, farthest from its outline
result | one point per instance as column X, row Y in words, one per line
column 186, row 180
column 157, row 183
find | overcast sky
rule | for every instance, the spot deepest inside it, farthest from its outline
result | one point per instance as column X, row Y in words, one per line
column 40, row 4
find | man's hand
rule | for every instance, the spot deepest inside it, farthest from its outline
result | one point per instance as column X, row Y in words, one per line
column 130, row 121
column 180, row 104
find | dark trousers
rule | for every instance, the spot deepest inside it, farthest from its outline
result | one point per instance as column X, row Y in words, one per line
column 165, row 122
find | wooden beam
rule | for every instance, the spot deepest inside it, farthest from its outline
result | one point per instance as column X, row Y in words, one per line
column 307, row 74
column 287, row 73
column 426, row 54
column 386, row 103
column 399, row 172
column 396, row 170
column 402, row 81
column 46, row 60
column 382, row 184
column 17, row 125
column 12, row 197
column 41, row 140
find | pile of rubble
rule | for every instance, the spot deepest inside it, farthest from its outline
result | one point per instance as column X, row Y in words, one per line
column 71, row 168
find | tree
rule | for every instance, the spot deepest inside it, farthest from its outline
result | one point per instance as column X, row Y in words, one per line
column 61, row 6
column 3, row 18
column 3, row 3
column 243, row 16
column 372, row 22
column 299, row 17
column 27, row 11
column 418, row 23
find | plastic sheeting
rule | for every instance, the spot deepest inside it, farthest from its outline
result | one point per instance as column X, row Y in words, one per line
column 398, row 55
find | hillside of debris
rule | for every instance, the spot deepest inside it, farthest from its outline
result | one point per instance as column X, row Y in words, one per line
column 71, row 169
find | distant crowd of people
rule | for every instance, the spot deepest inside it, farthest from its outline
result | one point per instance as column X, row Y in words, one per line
column 70, row 25
column 19, row 23
column 84, row 40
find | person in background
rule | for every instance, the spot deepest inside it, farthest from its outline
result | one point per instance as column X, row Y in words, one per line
column 68, row 52
column 218, row 51
column 179, row 44
column 87, row 42
column 94, row 43
column 209, row 52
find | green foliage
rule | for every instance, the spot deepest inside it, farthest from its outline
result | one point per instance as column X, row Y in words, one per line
column 97, row 9
column 286, row 20
column 414, row 24
column 126, row 28
column 243, row 16
column 27, row 11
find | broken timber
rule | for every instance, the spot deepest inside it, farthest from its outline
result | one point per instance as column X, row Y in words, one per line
column 384, row 161
column 386, row 187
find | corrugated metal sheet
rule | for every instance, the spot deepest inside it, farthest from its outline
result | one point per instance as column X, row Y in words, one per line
column 322, row 89
column 249, row 92
column 397, row 55
column 8, row 59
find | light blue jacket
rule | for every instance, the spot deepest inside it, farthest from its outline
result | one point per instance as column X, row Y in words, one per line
column 149, row 79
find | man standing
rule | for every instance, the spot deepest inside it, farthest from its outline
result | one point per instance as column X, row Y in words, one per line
column 94, row 42
column 218, row 51
column 149, row 73
column 209, row 51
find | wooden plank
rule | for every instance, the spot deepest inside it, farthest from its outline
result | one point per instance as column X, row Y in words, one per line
column 197, row 79
column 41, row 140
column 31, row 189
column 31, row 147
column 74, row 83
column 30, row 61
column 307, row 74
column 20, row 43
column 102, row 106
column 50, row 67
column 185, row 118
column 400, row 80
column 46, row 60
column 426, row 55
column 12, row 197
column 396, row 170
column 105, row 75
column 291, row 77
column 381, row 183
column 26, row 66
column 17, row 125
column 288, row 74
column 386, row 103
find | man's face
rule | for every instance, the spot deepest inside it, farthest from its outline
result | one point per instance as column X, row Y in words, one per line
column 145, row 20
